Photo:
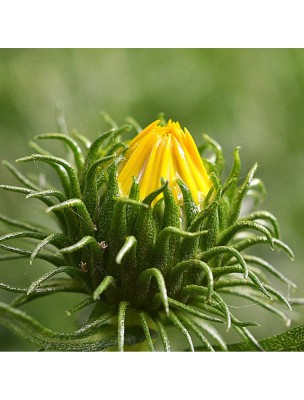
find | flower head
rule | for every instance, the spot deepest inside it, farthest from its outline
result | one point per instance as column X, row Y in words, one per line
column 167, row 152
column 146, row 269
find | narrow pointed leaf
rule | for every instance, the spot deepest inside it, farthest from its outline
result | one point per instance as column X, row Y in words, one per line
column 106, row 282
column 185, row 266
column 251, row 241
column 192, row 311
column 264, row 264
column 24, row 234
column 57, row 239
column 30, row 330
column 229, row 233
column 191, row 325
column 86, row 302
column 188, row 203
column 129, row 243
column 20, row 177
column 72, row 144
column 19, row 224
column 163, row 334
column 74, row 184
column 143, row 319
column 68, row 270
column 144, row 280
column 84, row 141
column 240, row 195
column 121, row 317
column 265, row 216
column 215, row 251
column 175, row 320
column 134, row 123
column 90, row 186
column 84, row 216
column 26, row 253
column 56, row 193
column 16, row 189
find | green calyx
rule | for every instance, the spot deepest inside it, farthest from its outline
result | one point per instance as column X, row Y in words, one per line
column 147, row 267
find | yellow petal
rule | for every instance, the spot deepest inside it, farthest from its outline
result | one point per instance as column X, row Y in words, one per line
column 164, row 152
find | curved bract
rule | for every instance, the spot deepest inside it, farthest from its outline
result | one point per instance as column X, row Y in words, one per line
column 152, row 234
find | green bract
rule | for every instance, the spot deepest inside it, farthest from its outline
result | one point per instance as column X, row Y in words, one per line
column 148, row 270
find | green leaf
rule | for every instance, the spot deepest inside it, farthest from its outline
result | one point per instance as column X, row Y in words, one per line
column 249, row 338
column 143, row 319
column 188, row 203
column 226, row 235
column 116, row 236
column 161, row 254
column 19, row 224
column 121, row 317
column 268, row 267
column 292, row 340
column 219, row 303
column 191, row 325
column 144, row 282
column 93, row 151
column 72, row 144
column 145, row 232
column 90, row 189
column 152, row 196
column 213, row 333
column 85, row 241
column 257, row 300
column 56, row 193
column 134, row 123
column 16, row 189
column 203, row 214
column 86, row 302
column 210, row 143
column 20, row 177
column 68, row 270
column 239, row 196
column 32, row 331
column 251, row 241
column 175, row 320
column 26, row 253
column 84, row 217
column 218, row 250
column 107, row 206
column 264, row 216
column 57, row 239
column 24, row 234
column 184, row 266
column 129, row 243
column 51, row 286
column 192, row 311
column 84, row 141
column 163, row 334
column 132, row 212
column 234, row 173
column 74, row 184
column 59, row 169
column 108, row 119
column 107, row 281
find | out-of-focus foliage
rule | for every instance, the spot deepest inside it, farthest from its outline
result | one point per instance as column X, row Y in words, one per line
column 247, row 97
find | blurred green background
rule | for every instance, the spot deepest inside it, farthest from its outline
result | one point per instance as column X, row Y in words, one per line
column 253, row 98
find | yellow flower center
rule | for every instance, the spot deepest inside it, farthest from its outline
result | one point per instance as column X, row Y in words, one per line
column 164, row 152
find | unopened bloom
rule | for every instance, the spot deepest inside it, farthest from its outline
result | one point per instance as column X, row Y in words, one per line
column 167, row 152
column 145, row 270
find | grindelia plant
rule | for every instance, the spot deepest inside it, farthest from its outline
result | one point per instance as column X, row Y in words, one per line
column 153, row 235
